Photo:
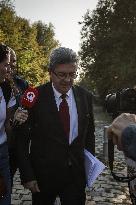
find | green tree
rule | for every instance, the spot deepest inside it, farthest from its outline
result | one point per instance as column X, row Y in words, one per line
column 32, row 42
column 107, row 48
column 46, row 39
column 7, row 18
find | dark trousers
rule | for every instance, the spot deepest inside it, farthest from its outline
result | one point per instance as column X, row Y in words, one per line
column 69, row 193
column 13, row 163
column 69, row 196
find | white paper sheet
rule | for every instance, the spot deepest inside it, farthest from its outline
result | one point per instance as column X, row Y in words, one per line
column 93, row 167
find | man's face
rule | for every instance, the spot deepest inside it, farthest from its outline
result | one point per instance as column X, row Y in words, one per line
column 13, row 61
column 63, row 77
column 4, row 68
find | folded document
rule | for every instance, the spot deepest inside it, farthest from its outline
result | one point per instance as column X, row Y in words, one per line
column 93, row 167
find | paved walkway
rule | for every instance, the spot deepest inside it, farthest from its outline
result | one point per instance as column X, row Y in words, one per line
column 105, row 191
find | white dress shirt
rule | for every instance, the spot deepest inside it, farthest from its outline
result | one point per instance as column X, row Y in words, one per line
column 11, row 103
column 72, row 111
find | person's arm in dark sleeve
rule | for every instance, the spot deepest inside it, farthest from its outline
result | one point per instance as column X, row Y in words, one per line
column 22, row 134
column 90, row 133
column 128, row 139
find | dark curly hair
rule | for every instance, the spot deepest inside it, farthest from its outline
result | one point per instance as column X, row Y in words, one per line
column 4, row 51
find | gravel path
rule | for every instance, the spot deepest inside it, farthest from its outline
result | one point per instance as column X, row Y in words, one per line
column 107, row 191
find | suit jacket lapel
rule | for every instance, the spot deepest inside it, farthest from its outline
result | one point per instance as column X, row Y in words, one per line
column 79, row 109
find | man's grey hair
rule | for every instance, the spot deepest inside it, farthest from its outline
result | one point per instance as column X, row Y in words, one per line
column 62, row 55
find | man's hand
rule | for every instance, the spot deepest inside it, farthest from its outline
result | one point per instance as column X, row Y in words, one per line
column 118, row 125
column 20, row 115
column 32, row 186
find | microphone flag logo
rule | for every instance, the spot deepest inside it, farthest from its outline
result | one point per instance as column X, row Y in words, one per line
column 29, row 97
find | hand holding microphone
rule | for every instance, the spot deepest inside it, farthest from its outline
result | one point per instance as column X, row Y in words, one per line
column 20, row 116
column 27, row 101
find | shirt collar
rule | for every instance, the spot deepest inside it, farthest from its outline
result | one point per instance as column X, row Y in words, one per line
column 58, row 94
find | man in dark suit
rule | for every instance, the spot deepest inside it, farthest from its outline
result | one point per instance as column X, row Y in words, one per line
column 62, row 126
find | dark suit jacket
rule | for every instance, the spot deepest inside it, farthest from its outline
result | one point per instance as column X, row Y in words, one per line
column 48, row 155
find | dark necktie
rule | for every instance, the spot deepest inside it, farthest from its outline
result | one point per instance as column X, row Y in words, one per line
column 64, row 115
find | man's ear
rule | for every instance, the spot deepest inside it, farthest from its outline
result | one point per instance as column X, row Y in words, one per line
column 49, row 71
column 50, row 75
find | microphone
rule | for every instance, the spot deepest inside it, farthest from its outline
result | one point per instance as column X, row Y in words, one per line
column 27, row 100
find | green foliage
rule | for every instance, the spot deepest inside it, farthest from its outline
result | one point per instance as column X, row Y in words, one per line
column 45, row 39
column 31, row 42
column 108, row 49
column 2, row 36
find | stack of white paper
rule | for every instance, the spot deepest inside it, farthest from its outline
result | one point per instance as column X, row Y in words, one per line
column 93, row 167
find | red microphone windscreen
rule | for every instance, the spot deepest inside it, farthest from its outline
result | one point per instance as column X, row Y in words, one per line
column 29, row 97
